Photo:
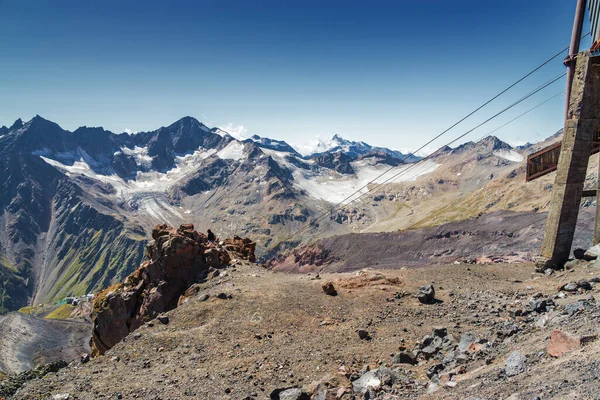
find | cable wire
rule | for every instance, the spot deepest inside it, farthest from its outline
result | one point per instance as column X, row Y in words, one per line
column 438, row 136
column 404, row 171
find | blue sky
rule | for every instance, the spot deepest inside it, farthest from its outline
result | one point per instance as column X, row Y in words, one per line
column 391, row 73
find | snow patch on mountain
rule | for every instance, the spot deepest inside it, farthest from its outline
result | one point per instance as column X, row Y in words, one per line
column 509, row 155
column 319, row 145
column 160, row 210
column 237, row 131
column 334, row 187
column 233, row 151
column 328, row 185
column 140, row 154
column 151, row 181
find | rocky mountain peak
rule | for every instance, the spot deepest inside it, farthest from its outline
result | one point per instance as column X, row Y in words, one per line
column 492, row 143
column 18, row 124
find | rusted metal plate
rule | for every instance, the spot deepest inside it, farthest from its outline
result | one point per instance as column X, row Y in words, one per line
column 542, row 162
column 545, row 161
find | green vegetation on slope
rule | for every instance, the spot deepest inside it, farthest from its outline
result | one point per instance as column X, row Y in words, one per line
column 13, row 291
column 62, row 312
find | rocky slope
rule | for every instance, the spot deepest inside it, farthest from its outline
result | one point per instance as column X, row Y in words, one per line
column 27, row 341
column 492, row 331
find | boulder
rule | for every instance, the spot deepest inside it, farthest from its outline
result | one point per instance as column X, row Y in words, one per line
column 431, row 345
column 367, row 381
column 515, row 364
column 569, row 287
column 329, row 289
column 562, row 342
column 241, row 248
column 376, row 378
column 176, row 260
column 592, row 253
column 579, row 254
column 403, row 358
column 585, row 285
column 363, row 335
column 293, row 394
column 426, row 294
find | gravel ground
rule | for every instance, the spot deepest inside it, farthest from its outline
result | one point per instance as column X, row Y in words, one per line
column 280, row 331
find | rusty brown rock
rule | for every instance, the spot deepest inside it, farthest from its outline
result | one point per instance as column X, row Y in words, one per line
column 241, row 248
column 177, row 259
column 329, row 289
column 562, row 342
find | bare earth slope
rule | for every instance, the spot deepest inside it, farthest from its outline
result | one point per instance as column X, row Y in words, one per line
column 280, row 330
column 504, row 235
column 27, row 341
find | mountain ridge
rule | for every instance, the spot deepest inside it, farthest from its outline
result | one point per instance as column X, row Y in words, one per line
column 75, row 206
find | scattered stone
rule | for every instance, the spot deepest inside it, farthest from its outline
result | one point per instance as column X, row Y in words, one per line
column 548, row 271
column 163, row 319
column 61, row 396
column 440, row 332
column 329, row 289
column 569, row 287
column 224, row 296
column 592, row 253
column 540, row 305
column 571, row 264
column 507, row 329
column 204, row 297
column 562, row 342
column 85, row 358
column 466, row 339
column 579, row 254
column 293, row 394
column 363, row 335
column 585, row 285
column 576, row 307
column 367, row 381
column 404, row 358
column 515, row 364
column 434, row 370
column 431, row 345
column 426, row 294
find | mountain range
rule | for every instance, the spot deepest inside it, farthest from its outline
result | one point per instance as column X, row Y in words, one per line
column 75, row 207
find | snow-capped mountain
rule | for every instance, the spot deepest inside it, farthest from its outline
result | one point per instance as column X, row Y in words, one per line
column 353, row 149
column 75, row 206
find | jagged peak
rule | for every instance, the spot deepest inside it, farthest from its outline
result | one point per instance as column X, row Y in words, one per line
column 18, row 124
column 496, row 143
column 39, row 122
column 89, row 129
column 186, row 121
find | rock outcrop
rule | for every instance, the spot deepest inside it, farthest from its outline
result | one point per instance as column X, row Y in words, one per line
column 176, row 260
column 241, row 248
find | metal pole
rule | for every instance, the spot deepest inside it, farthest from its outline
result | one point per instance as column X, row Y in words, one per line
column 574, row 49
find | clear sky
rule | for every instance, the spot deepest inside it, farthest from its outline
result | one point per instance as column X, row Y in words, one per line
column 391, row 73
